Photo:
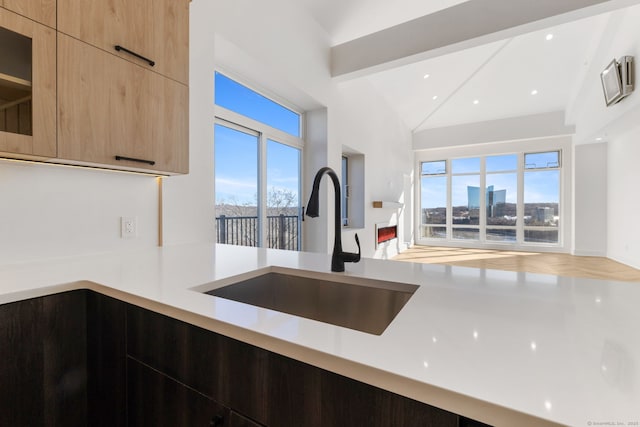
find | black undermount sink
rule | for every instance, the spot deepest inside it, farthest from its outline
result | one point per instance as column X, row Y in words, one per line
column 362, row 304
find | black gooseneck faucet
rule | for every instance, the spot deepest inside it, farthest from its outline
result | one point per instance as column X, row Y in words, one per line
column 338, row 258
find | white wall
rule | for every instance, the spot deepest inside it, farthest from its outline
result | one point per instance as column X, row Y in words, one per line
column 619, row 127
column 280, row 49
column 510, row 129
column 188, row 200
column 590, row 200
column 51, row 211
column 623, row 200
column 360, row 119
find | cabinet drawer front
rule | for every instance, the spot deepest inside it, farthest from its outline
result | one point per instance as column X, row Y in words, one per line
column 113, row 112
column 154, row 29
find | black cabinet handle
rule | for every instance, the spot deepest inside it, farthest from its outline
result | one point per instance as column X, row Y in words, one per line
column 216, row 421
column 137, row 55
column 131, row 159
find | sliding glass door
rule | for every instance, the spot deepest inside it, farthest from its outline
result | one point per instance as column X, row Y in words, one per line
column 257, row 187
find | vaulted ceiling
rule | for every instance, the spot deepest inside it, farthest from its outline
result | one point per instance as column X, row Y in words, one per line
column 536, row 70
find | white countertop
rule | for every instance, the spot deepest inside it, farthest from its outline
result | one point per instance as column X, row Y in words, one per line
column 509, row 349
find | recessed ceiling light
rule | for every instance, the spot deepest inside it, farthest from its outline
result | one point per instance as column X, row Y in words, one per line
column 599, row 139
column 549, row 36
column 434, row 97
column 476, row 102
column 426, row 76
column 534, row 92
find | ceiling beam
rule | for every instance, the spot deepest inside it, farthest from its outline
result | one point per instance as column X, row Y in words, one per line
column 466, row 25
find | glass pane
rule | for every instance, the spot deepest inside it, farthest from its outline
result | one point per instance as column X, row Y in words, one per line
column 283, row 196
column 236, row 186
column 541, row 236
column 502, row 198
column 501, row 235
column 345, row 183
column 434, row 200
column 550, row 159
column 15, row 83
column 502, row 163
column 236, row 97
column 434, row 168
column 541, row 198
column 429, row 232
column 465, row 199
column 466, row 233
column 469, row 165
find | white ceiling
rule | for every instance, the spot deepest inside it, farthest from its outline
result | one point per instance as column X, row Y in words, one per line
column 500, row 75
column 345, row 20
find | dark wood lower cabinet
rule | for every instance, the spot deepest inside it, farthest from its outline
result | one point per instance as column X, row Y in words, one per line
column 106, row 361
column 43, row 369
column 269, row 388
column 83, row 359
column 159, row 401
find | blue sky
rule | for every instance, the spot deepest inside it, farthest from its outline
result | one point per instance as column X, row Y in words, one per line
column 236, row 152
column 236, row 159
column 540, row 186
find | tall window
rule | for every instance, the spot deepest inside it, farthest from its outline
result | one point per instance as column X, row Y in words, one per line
column 465, row 198
column 345, row 191
column 541, row 197
column 501, row 198
column 477, row 199
column 433, row 206
column 258, row 152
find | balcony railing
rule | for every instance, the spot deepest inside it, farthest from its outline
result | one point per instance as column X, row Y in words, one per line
column 283, row 231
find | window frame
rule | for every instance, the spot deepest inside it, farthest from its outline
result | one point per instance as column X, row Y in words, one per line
column 562, row 144
column 225, row 117
column 346, row 199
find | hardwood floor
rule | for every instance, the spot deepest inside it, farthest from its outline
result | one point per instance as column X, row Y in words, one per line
column 533, row 262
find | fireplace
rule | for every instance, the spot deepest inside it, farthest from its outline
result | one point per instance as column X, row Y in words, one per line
column 385, row 232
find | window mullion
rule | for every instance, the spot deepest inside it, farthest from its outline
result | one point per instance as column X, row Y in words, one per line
column 262, row 190
column 449, row 219
column 482, row 223
column 520, row 201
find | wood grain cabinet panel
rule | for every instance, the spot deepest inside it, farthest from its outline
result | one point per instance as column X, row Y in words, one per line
column 264, row 388
column 44, row 364
column 29, row 104
column 43, row 11
column 106, row 361
column 80, row 358
column 109, row 108
column 155, row 399
column 155, row 29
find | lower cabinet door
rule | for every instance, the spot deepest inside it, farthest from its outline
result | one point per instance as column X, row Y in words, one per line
column 157, row 400
column 237, row 420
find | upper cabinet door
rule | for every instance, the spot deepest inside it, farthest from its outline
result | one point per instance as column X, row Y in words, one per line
column 113, row 113
column 43, row 11
column 151, row 33
column 27, row 86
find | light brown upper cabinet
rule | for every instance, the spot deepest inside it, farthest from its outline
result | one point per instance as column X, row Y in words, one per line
column 151, row 33
column 43, row 11
column 27, row 87
column 114, row 112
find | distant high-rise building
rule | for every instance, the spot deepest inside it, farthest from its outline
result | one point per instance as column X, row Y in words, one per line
column 495, row 200
column 544, row 214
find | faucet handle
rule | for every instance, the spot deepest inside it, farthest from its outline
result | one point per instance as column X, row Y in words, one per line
column 351, row 257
